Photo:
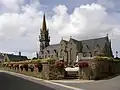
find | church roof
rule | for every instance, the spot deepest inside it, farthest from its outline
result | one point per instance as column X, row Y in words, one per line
column 90, row 44
column 51, row 47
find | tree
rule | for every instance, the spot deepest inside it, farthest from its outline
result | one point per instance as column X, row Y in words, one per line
column 34, row 58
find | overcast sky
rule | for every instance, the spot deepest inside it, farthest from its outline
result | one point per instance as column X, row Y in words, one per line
column 20, row 21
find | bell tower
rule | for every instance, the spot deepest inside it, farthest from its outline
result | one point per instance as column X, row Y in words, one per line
column 44, row 37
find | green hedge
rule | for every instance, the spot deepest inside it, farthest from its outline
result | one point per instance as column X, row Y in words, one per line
column 105, row 58
column 48, row 60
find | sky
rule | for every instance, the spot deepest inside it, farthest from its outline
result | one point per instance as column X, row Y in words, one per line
column 21, row 20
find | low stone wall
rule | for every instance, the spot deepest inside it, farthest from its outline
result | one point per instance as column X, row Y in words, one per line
column 99, row 69
column 48, row 72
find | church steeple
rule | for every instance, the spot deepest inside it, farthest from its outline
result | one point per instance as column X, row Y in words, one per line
column 44, row 35
column 44, row 27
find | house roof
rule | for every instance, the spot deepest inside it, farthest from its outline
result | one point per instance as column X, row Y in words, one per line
column 16, row 57
column 1, row 56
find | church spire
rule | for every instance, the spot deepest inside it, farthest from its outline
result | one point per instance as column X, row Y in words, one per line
column 44, row 35
column 44, row 27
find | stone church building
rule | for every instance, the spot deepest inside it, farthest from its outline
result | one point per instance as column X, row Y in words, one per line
column 70, row 50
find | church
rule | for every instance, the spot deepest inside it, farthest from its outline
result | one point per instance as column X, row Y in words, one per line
column 70, row 50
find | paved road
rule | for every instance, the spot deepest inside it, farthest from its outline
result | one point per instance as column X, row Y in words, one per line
column 9, row 82
column 110, row 84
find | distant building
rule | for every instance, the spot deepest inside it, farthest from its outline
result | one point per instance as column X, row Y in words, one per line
column 12, row 57
column 69, row 50
column 1, row 57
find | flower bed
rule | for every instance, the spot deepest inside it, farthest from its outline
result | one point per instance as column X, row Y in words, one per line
column 60, row 64
column 83, row 64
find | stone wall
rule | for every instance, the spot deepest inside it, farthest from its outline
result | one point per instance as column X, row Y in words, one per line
column 50, row 72
column 47, row 71
column 99, row 69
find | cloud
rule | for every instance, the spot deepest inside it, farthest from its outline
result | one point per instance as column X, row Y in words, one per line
column 19, row 28
column 19, row 31
column 86, row 21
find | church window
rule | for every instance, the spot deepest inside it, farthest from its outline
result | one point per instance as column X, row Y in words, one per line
column 61, row 51
column 5, row 59
column 48, row 51
column 45, row 56
column 55, row 50
column 51, row 56
column 42, row 52
column 98, row 46
column 84, row 54
column 87, row 46
column 95, row 53
column 90, row 54
column 56, row 54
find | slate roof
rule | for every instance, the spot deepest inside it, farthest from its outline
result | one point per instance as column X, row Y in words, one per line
column 65, row 41
column 89, row 45
column 16, row 57
column 92, row 43
column 51, row 47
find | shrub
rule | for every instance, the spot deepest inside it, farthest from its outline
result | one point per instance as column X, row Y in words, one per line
column 31, row 67
column 104, row 58
column 21, row 67
column 60, row 64
column 39, row 66
column 83, row 64
column 25, row 65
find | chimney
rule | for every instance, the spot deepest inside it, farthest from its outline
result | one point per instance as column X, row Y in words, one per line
column 19, row 53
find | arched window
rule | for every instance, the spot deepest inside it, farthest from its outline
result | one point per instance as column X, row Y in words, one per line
column 87, row 46
column 55, row 50
column 84, row 54
column 51, row 56
column 46, row 56
column 90, row 54
column 95, row 53
column 61, row 52
column 98, row 46
column 48, row 51
column 42, row 52
column 56, row 53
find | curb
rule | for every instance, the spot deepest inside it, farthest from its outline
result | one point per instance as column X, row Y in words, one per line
column 33, row 79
